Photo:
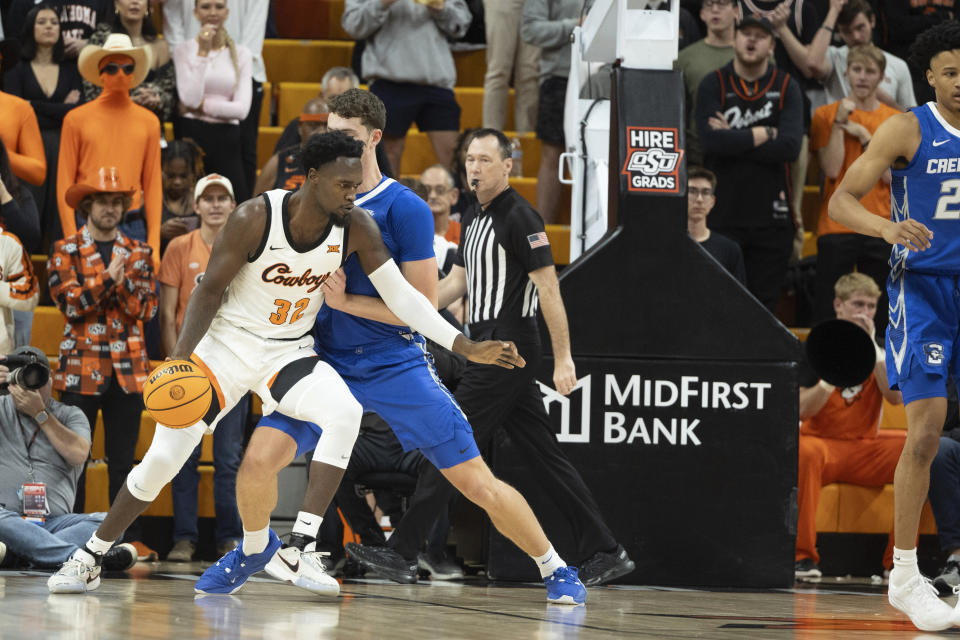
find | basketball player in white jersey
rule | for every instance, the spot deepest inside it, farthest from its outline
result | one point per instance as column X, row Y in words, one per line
column 275, row 253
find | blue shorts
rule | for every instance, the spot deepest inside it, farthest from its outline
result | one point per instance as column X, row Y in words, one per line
column 922, row 334
column 397, row 381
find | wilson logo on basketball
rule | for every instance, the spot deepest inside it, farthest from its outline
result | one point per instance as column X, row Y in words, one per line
column 279, row 273
column 177, row 368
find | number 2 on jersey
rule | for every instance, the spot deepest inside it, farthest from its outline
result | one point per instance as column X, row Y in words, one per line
column 283, row 309
column 949, row 195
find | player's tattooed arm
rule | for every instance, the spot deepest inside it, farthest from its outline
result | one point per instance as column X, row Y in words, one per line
column 894, row 144
column 238, row 242
column 412, row 307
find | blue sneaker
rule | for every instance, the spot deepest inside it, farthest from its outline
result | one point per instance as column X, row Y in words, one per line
column 564, row 587
column 231, row 571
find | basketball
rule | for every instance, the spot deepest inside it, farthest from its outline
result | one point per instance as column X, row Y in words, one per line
column 177, row 394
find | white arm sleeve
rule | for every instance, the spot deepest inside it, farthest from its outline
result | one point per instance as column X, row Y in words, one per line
column 411, row 306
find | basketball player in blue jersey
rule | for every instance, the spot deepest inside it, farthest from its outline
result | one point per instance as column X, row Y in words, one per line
column 921, row 148
column 387, row 368
column 274, row 254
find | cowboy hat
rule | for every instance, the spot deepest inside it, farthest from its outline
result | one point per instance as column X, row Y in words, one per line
column 106, row 180
column 116, row 44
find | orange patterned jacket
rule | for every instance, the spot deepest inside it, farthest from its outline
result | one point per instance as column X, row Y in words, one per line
column 103, row 335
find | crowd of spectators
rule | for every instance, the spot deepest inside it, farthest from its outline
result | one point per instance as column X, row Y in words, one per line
column 128, row 218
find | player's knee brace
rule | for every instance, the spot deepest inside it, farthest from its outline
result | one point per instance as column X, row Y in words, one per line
column 339, row 420
column 165, row 457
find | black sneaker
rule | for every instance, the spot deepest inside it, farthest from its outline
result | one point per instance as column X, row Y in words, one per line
column 806, row 569
column 603, row 567
column 385, row 561
column 440, row 566
column 949, row 578
column 120, row 557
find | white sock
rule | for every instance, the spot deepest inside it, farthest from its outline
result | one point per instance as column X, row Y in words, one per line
column 549, row 562
column 94, row 544
column 255, row 541
column 307, row 523
column 904, row 566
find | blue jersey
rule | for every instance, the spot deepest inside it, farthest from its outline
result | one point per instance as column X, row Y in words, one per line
column 928, row 190
column 406, row 225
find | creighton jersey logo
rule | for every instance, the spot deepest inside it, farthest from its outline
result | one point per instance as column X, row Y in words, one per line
column 934, row 353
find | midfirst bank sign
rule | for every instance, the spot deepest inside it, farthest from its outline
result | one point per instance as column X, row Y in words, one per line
column 638, row 410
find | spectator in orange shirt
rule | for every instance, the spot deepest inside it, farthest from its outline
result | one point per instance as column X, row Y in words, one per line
column 839, row 132
column 113, row 131
column 839, row 439
column 20, row 132
column 283, row 170
column 181, row 269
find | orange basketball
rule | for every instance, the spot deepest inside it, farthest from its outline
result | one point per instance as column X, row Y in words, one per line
column 177, row 394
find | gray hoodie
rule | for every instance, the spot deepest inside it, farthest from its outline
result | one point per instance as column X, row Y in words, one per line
column 406, row 42
column 548, row 24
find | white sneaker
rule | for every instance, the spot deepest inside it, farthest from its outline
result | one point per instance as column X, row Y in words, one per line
column 304, row 570
column 74, row 576
column 918, row 599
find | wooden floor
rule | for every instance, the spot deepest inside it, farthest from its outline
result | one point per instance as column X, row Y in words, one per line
column 157, row 601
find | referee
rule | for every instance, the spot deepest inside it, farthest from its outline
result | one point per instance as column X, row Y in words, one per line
column 504, row 265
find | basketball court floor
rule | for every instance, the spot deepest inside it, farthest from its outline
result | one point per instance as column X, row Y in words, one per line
column 157, row 601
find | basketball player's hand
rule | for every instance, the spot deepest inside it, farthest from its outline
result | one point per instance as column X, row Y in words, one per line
column 911, row 234
column 335, row 290
column 564, row 375
column 115, row 269
column 27, row 402
column 718, row 121
column 499, row 352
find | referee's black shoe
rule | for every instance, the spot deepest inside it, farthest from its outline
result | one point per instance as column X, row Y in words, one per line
column 385, row 561
column 603, row 567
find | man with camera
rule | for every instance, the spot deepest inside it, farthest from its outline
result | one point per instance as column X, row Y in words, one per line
column 45, row 445
column 839, row 435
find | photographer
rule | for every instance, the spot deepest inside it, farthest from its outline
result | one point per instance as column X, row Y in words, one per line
column 45, row 446
column 103, row 282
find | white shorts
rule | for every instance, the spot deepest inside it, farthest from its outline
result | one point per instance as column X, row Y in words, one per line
column 237, row 361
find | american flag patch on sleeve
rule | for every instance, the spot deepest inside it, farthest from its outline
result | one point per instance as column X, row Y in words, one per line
column 537, row 240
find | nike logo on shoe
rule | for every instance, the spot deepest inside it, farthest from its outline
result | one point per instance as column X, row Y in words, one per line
column 937, row 143
column 295, row 567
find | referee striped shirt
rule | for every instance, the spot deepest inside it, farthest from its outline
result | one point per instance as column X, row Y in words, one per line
column 499, row 246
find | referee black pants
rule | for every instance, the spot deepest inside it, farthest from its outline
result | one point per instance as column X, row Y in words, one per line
column 492, row 397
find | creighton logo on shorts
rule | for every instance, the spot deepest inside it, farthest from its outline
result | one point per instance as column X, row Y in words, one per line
column 934, row 353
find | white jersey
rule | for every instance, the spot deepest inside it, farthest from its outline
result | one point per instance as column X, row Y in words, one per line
column 278, row 292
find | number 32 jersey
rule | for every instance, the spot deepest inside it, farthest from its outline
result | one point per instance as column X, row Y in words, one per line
column 278, row 292
column 928, row 190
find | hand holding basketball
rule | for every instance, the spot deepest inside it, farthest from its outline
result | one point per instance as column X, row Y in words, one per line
column 177, row 394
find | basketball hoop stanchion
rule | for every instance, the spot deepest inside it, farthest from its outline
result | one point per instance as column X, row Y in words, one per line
column 684, row 422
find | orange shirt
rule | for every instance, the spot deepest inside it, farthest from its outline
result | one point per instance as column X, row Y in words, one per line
column 877, row 200
column 182, row 267
column 850, row 414
column 453, row 232
column 21, row 136
column 112, row 132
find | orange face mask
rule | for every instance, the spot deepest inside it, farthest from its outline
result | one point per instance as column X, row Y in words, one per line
column 119, row 82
